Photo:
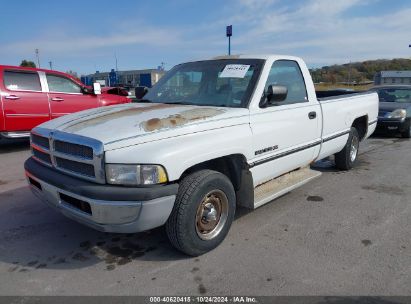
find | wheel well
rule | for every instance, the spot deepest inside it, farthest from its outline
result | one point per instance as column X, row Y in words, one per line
column 230, row 165
column 361, row 124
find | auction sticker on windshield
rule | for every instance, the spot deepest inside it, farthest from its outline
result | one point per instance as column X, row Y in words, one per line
column 234, row 71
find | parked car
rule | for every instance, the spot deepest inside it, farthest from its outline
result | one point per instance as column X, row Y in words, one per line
column 395, row 109
column 29, row 97
column 122, row 91
column 209, row 136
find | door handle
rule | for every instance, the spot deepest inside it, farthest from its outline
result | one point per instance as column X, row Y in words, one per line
column 57, row 99
column 312, row 115
column 12, row 97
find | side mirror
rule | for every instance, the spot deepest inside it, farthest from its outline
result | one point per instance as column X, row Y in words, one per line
column 97, row 88
column 276, row 93
column 87, row 90
column 140, row 92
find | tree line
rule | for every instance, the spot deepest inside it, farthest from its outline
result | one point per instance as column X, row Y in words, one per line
column 358, row 72
column 31, row 64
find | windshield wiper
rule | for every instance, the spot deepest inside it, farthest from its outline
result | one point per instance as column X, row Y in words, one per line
column 217, row 105
column 179, row 103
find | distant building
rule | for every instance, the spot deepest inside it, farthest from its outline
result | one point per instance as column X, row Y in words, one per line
column 132, row 78
column 392, row 78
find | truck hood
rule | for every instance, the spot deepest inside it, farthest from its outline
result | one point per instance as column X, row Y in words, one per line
column 136, row 123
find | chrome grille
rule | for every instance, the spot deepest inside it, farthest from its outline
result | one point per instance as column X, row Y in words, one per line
column 72, row 154
column 76, row 167
column 41, row 141
column 73, row 149
column 44, row 157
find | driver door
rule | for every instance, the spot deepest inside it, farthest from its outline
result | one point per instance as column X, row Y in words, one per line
column 286, row 134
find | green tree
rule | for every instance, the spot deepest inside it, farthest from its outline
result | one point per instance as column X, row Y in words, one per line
column 27, row 63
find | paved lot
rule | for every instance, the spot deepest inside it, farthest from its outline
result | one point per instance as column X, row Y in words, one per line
column 343, row 234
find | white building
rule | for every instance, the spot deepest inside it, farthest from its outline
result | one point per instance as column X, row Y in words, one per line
column 392, row 78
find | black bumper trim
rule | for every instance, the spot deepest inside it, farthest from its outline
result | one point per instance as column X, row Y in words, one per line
column 401, row 125
column 97, row 191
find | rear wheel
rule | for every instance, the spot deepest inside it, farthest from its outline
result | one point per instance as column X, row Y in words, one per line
column 346, row 158
column 203, row 212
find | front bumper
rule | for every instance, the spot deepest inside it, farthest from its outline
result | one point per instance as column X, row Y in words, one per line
column 392, row 124
column 103, row 207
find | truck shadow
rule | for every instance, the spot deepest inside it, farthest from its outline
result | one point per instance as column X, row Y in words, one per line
column 387, row 135
column 325, row 165
column 34, row 236
column 7, row 146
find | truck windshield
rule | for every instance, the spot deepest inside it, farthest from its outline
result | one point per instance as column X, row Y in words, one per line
column 221, row 83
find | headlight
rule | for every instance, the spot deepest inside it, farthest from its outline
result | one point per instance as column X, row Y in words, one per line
column 399, row 113
column 135, row 174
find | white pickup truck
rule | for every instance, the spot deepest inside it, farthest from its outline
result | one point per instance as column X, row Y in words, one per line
column 209, row 136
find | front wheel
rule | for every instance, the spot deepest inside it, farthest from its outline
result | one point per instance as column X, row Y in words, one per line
column 203, row 212
column 346, row 158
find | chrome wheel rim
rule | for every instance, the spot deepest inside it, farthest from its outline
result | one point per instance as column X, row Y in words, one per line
column 211, row 215
column 354, row 148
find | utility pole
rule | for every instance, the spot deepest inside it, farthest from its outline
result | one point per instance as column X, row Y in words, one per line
column 117, row 78
column 229, row 33
column 38, row 57
column 51, row 65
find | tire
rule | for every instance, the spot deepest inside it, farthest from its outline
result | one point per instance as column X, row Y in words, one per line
column 407, row 132
column 203, row 212
column 346, row 158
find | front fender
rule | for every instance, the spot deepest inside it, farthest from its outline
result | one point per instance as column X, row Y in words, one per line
column 177, row 154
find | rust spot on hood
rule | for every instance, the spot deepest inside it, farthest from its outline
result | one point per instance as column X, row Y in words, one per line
column 182, row 118
column 100, row 119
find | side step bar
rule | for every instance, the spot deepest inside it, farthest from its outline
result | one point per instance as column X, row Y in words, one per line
column 283, row 184
column 17, row 134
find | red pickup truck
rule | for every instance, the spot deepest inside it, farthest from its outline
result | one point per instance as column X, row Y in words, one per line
column 29, row 97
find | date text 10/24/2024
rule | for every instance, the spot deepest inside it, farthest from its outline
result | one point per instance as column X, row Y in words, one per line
column 203, row 299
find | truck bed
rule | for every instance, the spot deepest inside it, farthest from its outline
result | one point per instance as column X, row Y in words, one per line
column 326, row 95
column 339, row 110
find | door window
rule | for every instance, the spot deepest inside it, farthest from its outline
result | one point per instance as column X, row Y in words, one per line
column 62, row 84
column 287, row 73
column 22, row 81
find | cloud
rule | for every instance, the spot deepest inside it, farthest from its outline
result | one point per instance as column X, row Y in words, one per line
column 328, row 8
column 321, row 31
column 68, row 43
column 256, row 4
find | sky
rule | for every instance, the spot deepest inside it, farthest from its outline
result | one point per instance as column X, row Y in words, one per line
column 85, row 36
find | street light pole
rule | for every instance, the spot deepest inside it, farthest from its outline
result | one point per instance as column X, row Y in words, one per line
column 229, row 33
column 38, row 57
